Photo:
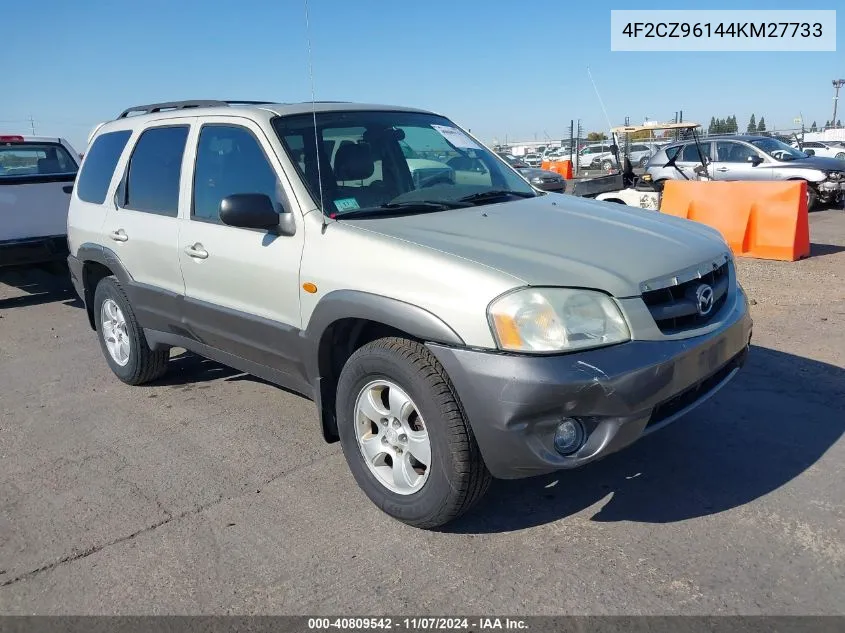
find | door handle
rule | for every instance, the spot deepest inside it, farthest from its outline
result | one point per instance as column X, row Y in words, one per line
column 119, row 235
column 722, row 169
column 196, row 251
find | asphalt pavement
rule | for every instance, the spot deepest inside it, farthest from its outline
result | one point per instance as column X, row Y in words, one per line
column 212, row 492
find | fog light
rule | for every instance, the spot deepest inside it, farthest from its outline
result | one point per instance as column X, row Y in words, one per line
column 569, row 436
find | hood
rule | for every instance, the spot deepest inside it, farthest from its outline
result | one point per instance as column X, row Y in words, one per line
column 561, row 240
column 815, row 162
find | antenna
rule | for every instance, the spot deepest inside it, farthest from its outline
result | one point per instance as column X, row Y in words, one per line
column 603, row 109
column 314, row 113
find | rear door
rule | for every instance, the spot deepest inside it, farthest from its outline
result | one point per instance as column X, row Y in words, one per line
column 689, row 159
column 143, row 227
column 36, row 180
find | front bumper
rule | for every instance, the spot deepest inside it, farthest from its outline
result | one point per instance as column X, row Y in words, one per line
column 620, row 393
column 831, row 187
column 555, row 186
column 33, row 250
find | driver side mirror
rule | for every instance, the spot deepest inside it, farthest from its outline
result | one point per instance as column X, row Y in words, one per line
column 810, row 152
column 255, row 211
column 754, row 160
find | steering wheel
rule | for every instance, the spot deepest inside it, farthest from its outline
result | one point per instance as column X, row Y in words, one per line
column 779, row 154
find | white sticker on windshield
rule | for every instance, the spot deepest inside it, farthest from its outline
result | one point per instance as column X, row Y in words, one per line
column 456, row 137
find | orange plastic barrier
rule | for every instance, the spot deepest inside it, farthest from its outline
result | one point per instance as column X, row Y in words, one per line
column 547, row 165
column 563, row 167
column 767, row 220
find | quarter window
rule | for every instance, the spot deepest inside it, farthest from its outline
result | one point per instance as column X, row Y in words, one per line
column 152, row 180
column 229, row 161
column 95, row 177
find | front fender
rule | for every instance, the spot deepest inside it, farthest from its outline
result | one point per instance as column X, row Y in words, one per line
column 353, row 304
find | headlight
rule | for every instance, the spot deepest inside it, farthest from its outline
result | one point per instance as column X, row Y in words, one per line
column 555, row 320
column 537, row 180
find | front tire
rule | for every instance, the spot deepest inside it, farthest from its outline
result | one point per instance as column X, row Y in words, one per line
column 122, row 339
column 812, row 197
column 397, row 410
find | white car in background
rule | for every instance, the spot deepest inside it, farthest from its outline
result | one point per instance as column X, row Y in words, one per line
column 36, row 179
column 591, row 157
column 828, row 149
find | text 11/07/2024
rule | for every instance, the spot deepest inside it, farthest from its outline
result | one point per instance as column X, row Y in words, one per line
column 417, row 624
column 681, row 30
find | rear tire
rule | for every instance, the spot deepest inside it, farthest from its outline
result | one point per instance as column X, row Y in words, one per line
column 139, row 364
column 456, row 477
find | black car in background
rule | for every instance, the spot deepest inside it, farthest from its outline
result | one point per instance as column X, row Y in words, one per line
column 540, row 178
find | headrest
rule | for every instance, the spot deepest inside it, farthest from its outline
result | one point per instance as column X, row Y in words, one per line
column 354, row 162
column 48, row 166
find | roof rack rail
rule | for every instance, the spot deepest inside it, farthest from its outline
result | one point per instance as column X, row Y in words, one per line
column 183, row 105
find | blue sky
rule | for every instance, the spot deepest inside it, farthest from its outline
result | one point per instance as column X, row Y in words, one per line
column 498, row 67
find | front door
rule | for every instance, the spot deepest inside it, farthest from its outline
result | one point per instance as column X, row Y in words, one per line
column 241, row 285
column 739, row 161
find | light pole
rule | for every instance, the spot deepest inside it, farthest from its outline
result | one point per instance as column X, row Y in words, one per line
column 837, row 84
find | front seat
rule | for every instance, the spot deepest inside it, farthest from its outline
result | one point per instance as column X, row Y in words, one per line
column 354, row 162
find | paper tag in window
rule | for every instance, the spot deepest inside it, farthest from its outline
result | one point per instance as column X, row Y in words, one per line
column 346, row 204
column 456, row 137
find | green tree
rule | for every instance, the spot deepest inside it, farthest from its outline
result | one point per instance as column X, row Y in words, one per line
column 752, row 125
column 761, row 126
column 813, row 127
column 826, row 124
column 838, row 122
column 596, row 136
column 712, row 128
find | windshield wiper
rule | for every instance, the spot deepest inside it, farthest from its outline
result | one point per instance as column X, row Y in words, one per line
column 399, row 208
column 484, row 196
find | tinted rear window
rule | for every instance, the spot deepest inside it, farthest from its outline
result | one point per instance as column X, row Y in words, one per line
column 691, row 154
column 34, row 159
column 152, row 183
column 100, row 161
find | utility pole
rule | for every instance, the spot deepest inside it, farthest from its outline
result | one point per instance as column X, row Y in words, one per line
column 32, row 123
column 837, row 84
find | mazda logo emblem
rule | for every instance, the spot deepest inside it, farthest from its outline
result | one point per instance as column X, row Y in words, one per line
column 704, row 299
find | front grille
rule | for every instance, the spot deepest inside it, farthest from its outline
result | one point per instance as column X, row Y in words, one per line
column 675, row 404
column 675, row 308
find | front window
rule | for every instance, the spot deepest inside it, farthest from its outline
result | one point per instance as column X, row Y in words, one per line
column 35, row 159
column 384, row 160
column 778, row 150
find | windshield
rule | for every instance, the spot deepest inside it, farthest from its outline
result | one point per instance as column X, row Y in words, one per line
column 778, row 150
column 34, row 159
column 370, row 159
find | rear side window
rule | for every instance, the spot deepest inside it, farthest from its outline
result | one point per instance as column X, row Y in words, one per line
column 690, row 154
column 152, row 179
column 230, row 161
column 93, row 181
